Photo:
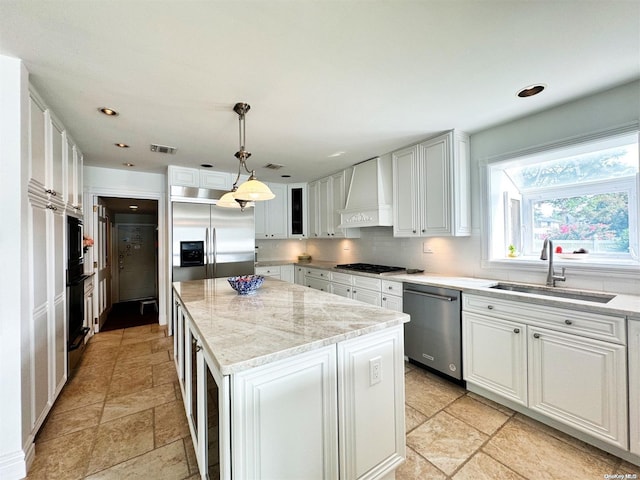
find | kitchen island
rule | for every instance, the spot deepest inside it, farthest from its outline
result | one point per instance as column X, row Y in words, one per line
column 289, row 382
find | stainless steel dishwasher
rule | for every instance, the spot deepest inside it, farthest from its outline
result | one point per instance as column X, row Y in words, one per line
column 433, row 337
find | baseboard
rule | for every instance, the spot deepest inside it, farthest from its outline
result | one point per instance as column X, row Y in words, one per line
column 14, row 465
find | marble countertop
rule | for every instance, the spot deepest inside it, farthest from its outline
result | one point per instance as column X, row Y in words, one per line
column 280, row 320
column 628, row 305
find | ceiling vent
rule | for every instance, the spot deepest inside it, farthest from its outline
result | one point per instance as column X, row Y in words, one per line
column 163, row 149
column 273, row 166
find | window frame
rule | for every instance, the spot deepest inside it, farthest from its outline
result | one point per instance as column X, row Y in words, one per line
column 496, row 200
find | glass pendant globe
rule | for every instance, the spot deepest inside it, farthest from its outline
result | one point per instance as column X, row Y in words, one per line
column 253, row 190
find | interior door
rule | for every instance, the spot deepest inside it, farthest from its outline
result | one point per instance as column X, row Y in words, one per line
column 136, row 262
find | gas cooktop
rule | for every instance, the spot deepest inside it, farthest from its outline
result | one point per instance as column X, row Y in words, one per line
column 371, row 268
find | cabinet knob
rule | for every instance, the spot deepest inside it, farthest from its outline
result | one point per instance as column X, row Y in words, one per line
column 50, row 192
column 198, row 347
column 568, row 322
column 414, row 231
column 354, row 291
column 348, row 289
column 423, row 230
column 332, row 234
column 51, row 207
column 390, row 287
column 490, row 307
column 536, row 335
column 516, row 330
column 384, row 299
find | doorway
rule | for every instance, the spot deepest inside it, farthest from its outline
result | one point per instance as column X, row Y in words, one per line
column 127, row 261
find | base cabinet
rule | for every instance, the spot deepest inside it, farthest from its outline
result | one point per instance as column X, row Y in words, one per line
column 534, row 359
column 634, row 385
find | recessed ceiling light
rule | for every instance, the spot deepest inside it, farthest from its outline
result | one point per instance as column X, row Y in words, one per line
column 531, row 90
column 133, row 207
column 206, row 165
column 337, row 154
column 285, row 176
column 127, row 164
column 121, row 145
column 108, row 111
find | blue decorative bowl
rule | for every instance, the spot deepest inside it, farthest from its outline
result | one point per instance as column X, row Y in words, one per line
column 246, row 284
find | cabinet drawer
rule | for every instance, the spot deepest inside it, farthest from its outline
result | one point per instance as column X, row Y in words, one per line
column 343, row 278
column 367, row 282
column 391, row 288
column 269, row 271
column 594, row 325
column 317, row 273
column 317, row 284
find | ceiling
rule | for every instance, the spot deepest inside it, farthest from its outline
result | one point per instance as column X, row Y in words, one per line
column 122, row 205
column 359, row 77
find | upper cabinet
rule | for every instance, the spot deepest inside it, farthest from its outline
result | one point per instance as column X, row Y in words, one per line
column 327, row 198
column 271, row 215
column 431, row 188
column 55, row 163
column 193, row 177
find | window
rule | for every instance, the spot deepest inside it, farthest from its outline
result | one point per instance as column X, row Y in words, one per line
column 582, row 196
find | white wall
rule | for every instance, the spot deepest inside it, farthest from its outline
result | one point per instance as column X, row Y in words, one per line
column 110, row 182
column 15, row 440
column 463, row 256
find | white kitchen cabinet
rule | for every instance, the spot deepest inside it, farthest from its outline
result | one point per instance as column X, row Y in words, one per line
column 73, row 163
column 287, row 406
column 37, row 159
column 431, row 188
column 392, row 295
column 299, row 274
column 271, row 215
column 199, row 178
column 371, row 404
column 494, row 355
column 634, row 384
column 327, row 196
column 574, row 367
column 287, row 273
column 576, row 381
column 272, row 271
column 358, row 287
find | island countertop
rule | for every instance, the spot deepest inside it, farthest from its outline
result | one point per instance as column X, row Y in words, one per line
column 280, row 320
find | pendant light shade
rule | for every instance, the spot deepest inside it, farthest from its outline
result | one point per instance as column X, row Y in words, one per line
column 252, row 190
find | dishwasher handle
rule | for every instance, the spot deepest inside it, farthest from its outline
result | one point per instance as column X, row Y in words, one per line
column 431, row 295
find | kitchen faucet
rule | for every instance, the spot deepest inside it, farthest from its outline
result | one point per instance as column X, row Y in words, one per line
column 552, row 278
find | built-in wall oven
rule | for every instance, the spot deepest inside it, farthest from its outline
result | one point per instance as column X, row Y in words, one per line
column 76, row 330
column 433, row 337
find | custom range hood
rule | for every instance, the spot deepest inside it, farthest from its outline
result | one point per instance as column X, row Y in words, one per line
column 369, row 198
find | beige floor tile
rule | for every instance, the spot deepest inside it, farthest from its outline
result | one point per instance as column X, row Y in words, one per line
column 128, row 363
column 129, row 381
column 412, row 418
column 167, row 462
column 119, row 440
column 159, row 344
column 536, row 454
column 191, row 455
column 170, row 423
column 417, row 468
column 82, row 390
column 626, row 468
column 483, row 467
column 133, row 350
column 99, row 354
column 63, row 458
column 164, row 373
column 446, row 441
column 428, row 394
column 478, row 415
column 501, row 408
column 146, row 337
column 63, row 423
column 123, row 405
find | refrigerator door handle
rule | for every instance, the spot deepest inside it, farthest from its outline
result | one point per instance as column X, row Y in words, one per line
column 206, row 253
column 215, row 251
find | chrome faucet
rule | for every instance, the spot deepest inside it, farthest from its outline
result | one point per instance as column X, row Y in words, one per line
column 552, row 278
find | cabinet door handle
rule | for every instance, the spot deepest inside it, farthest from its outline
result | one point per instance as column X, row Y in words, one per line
column 50, row 192
column 490, row 307
column 516, row 330
column 568, row 322
column 51, row 207
column 536, row 335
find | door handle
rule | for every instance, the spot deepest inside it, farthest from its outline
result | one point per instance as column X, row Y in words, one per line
column 215, row 254
column 431, row 295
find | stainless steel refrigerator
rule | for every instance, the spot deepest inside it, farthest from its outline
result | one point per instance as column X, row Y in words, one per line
column 211, row 242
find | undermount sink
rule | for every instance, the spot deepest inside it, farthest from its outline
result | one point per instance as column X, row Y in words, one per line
column 554, row 292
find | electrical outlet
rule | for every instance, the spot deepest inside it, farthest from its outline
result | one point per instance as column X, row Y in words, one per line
column 375, row 371
column 426, row 248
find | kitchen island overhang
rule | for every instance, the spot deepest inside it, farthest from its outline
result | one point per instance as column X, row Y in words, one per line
column 339, row 352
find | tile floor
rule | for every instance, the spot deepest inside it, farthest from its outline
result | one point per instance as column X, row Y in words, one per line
column 121, row 416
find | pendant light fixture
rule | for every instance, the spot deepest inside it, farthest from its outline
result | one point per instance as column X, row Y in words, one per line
column 252, row 190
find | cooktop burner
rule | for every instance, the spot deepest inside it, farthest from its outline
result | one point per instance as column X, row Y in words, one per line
column 370, row 268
